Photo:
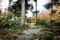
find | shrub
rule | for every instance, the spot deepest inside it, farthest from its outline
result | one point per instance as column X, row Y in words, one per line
column 7, row 25
column 24, row 27
column 46, row 34
column 40, row 22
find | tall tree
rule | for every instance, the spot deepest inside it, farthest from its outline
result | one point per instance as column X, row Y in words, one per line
column 23, row 12
column 19, row 8
column 36, row 9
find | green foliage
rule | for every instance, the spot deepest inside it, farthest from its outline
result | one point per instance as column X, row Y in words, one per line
column 49, row 36
column 14, row 23
column 7, row 25
column 8, row 22
column 40, row 22
column 16, row 8
column 50, row 23
column 34, row 35
column 35, row 12
column 35, row 0
column 4, row 31
column 46, row 34
column 24, row 27
column 57, row 24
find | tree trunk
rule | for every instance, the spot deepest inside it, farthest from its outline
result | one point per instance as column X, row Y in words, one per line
column 22, row 12
column 36, row 9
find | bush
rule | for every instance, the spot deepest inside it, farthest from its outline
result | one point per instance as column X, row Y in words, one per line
column 40, row 22
column 46, row 34
column 24, row 27
column 7, row 23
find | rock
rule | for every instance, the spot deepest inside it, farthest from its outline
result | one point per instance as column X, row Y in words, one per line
column 31, row 31
column 25, row 37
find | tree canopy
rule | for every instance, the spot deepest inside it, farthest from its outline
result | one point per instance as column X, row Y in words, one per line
column 50, row 5
column 16, row 7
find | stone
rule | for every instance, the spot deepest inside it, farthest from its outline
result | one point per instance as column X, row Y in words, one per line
column 25, row 37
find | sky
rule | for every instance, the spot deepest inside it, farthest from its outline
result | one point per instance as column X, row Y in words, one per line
column 40, row 7
column 5, row 3
column 40, row 4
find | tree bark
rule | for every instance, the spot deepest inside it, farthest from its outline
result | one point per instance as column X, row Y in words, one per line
column 22, row 12
column 36, row 9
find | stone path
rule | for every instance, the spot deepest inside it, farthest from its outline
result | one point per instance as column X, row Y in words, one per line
column 28, row 34
column 25, row 37
column 31, row 31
